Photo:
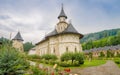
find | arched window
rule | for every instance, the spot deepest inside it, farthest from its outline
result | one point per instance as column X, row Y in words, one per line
column 66, row 49
column 61, row 28
column 54, row 50
column 75, row 49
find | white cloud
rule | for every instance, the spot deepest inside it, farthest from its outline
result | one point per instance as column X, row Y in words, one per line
column 27, row 24
column 34, row 19
column 34, row 36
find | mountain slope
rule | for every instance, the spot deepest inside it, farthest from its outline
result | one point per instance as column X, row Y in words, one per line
column 99, row 35
column 101, row 39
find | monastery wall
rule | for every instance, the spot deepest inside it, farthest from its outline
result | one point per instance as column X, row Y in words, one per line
column 42, row 48
column 59, row 44
column 53, row 45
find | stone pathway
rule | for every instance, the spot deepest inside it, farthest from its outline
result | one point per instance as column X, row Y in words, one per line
column 41, row 66
column 32, row 63
column 110, row 68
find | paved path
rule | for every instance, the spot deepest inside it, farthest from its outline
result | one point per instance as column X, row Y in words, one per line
column 50, row 68
column 32, row 63
column 110, row 68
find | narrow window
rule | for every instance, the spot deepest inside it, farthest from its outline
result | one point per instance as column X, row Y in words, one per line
column 54, row 50
column 75, row 49
column 61, row 28
column 66, row 49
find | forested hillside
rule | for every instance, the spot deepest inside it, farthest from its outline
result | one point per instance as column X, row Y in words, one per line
column 101, row 39
column 99, row 35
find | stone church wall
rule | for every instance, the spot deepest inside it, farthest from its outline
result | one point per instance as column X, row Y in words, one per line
column 18, row 45
column 59, row 44
column 69, row 43
column 42, row 48
column 53, row 45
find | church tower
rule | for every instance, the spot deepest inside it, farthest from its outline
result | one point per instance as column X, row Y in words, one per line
column 62, row 24
column 18, row 42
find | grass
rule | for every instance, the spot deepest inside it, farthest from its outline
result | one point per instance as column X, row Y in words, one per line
column 88, row 63
column 118, row 65
column 117, row 61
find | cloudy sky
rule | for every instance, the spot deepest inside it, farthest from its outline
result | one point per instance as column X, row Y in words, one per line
column 35, row 18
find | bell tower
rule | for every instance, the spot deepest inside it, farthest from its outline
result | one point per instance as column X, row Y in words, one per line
column 18, row 42
column 62, row 24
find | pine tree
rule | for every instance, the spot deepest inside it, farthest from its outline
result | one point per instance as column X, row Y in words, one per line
column 12, row 62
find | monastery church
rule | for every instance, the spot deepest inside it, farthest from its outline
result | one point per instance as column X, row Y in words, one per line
column 64, row 38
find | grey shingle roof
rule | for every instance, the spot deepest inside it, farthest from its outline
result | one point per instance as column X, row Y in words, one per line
column 18, row 37
column 69, row 29
column 62, row 13
column 54, row 32
column 117, row 47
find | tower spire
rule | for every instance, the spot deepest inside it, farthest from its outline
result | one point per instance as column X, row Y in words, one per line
column 62, row 5
column 18, row 37
column 62, row 13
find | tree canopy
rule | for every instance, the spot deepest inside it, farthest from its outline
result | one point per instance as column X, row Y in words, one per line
column 99, row 35
column 107, row 41
column 12, row 62
column 28, row 46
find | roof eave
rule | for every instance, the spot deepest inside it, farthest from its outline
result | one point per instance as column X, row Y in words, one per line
column 18, row 39
column 81, row 35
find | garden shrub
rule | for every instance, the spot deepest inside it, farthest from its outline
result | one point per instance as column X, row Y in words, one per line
column 72, row 59
column 109, row 54
column 46, row 62
column 12, row 62
column 37, row 71
column 118, row 54
column 42, row 61
column 117, row 61
column 76, row 63
column 53, row 62
column 49, row 57
column 53, row 57
column 102, row 54
column 90, row 55
column 34, row 57
column 64, row 64
column 79, row 57
column 66, row 56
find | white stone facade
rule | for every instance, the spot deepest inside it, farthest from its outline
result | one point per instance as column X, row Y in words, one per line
column 59, row 44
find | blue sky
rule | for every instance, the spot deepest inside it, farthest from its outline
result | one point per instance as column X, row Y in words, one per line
column 35, row 18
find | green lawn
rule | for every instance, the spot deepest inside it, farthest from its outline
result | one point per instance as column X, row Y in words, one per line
column 88, row 63
column 117, row 61
column 118, row 65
